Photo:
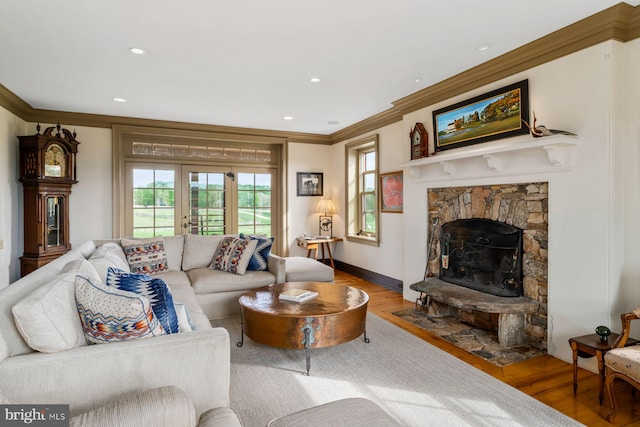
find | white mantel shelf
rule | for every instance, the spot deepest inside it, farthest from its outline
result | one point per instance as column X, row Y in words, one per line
column 512, row 156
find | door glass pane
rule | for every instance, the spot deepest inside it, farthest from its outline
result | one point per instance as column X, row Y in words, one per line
column 54, row 221
column 153, row 202
column 206, row 203
column 254, row 203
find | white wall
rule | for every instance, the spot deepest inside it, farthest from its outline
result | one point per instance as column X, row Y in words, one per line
column 625, row 281
column 90, row 203
column 10, row 197
column 385, row 259
column 302, row 209
column 573, row 93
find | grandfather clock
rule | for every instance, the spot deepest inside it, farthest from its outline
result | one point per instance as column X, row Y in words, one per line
column 47, row 172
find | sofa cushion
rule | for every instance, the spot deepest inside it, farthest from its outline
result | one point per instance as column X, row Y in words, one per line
column 354, row 411
column 258, row 261
column 184, row 318
column 174, row 278
column 108, row 255
column 145, row 256
column 199, row 250
column 11, row 342
column 152, row 288
column 206, row 281
column 301, row 269
column 233, row 255
column 47, row 318
column 174, row 245
column 109, row 314
column 162, row 406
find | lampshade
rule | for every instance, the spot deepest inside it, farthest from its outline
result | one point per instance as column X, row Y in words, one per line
column 326, row 207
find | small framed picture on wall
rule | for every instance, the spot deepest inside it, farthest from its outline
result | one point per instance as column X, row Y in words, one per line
column 309, row 184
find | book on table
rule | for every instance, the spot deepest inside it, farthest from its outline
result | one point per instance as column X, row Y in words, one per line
column 297, row 295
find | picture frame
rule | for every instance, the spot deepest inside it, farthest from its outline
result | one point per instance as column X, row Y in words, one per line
column 494, row 115
column 391, row 192
column 309, row 184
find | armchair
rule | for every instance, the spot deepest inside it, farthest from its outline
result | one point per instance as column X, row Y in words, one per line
column 622, row 362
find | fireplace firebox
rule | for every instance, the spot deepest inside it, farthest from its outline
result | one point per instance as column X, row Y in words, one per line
column 482, row 254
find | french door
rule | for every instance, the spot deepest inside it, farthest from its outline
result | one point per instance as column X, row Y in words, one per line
column 196, row 199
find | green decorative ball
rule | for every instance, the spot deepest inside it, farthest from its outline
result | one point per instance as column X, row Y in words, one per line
column 604, row 332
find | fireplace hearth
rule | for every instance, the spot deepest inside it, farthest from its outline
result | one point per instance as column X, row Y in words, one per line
column 518, row 266
column 482, row 254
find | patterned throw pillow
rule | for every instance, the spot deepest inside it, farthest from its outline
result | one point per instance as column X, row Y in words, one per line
column 108, row 314
column 233, row 255
column 146, row 256
column 153, row 289
column 258, row 261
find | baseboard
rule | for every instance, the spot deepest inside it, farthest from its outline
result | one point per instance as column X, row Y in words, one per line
column 371, row 276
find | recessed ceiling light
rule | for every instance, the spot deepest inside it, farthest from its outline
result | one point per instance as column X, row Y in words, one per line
column 416, row 80
column 288, row 118
column 482, row 47
column 333, row 122
column 137, row 51
column 116, row 99
column 314, row 79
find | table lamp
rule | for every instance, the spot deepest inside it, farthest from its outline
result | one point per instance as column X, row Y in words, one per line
column 326, row 208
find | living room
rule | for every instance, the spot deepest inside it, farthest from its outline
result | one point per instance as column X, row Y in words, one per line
column 589, row 90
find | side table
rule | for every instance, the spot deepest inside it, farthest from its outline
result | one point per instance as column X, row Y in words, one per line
column 588, row 346
column 318, row 244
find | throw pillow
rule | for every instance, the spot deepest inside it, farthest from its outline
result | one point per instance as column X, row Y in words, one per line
column 146, row 256
column 109, row 315
column 184, row 318
column 47, row 317
column 233, row 255
column 258, row 261
column 152, row 288
column 108, row 255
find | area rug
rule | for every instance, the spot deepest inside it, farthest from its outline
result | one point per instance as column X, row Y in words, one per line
column 415, row 382
column 477, row 341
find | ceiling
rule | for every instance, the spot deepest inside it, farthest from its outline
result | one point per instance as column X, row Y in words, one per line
column 249, row 63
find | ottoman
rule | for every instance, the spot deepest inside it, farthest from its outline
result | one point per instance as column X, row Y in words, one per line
column 352, row 412
column 301, row 269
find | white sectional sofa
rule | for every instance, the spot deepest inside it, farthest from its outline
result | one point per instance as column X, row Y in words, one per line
column 216, row 292
column 89, row 376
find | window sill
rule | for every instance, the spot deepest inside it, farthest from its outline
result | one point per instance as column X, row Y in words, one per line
column 371, row 241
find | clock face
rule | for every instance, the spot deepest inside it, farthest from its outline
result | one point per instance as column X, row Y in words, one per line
column 416, row 138
column 55, row 161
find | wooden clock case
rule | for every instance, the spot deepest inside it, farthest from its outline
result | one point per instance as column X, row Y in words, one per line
column 47, row 172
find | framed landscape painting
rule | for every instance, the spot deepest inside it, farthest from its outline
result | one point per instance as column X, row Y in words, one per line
column 391, row 188
column 494, row 115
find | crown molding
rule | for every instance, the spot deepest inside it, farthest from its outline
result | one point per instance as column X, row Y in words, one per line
column 13, row 103
column 20, row 108
column 620, row 22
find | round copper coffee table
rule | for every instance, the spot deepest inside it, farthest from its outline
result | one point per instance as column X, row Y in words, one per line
column 337, row 315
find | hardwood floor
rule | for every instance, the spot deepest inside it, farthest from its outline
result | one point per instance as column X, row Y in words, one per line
column 545, row 378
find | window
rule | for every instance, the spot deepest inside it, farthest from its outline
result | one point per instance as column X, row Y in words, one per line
column 153, row 209
column 254, row 203
column 362, row 192
column 170, row 182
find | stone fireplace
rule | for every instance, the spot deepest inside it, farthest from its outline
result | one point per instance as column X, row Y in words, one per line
column 510, row 218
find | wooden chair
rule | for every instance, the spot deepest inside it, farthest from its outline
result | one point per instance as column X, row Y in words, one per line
column 622, row 362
